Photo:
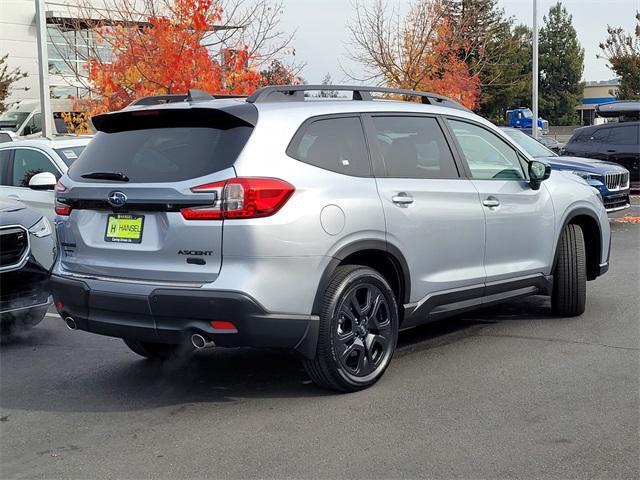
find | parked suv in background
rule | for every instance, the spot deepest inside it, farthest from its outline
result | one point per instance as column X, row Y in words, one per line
column 613, row 142
column 609, row 179
column 318, row 226
column 26, row 256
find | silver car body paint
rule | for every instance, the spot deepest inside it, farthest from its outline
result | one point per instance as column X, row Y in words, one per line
column 448, row 238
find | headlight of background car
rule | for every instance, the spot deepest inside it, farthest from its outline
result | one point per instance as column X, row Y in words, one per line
column 42, row 228
column 585, row 175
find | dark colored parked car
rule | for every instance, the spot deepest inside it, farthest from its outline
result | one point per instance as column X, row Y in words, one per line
column 611, row 180
column 26, row 255
column 613, row 142
column 551, row 143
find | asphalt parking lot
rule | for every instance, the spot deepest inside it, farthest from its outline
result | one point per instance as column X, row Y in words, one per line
column 502, row 393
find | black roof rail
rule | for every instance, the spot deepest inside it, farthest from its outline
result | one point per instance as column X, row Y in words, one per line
column 194, row 95
column 293, row 93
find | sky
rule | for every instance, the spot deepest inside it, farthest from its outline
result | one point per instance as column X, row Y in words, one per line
column 321, row 34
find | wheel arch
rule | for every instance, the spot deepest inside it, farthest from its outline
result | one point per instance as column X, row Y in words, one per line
column 377, row 254
column 588, row 222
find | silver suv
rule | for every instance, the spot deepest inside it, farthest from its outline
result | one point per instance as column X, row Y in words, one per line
column 323, row 227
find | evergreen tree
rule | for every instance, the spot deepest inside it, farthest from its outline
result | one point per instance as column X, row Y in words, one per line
column 327, row 80
column 561, row 65
column 495, row 50
column 514, row 87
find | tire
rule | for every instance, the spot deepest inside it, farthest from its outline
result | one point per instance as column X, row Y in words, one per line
column 152, row 350
column 569, row 295
column 358, row 330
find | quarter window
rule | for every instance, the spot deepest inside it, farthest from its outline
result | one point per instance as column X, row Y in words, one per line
column 335, row 144
column 414, row 147
column 488, row 156
column 27, row 163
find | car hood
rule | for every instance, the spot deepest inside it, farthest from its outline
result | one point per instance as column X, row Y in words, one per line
column 586, row 164
column 16, row 213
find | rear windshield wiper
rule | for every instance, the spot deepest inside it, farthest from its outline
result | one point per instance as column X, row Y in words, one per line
column 117, row 176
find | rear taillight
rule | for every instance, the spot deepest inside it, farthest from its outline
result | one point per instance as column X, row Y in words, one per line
column 244, row 197
column 62, row 208
column 60, row 187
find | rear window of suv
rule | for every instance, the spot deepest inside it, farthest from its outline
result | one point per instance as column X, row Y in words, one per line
column 168, row 147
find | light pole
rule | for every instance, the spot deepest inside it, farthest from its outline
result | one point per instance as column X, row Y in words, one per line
column 534, row 82
column 43, row 71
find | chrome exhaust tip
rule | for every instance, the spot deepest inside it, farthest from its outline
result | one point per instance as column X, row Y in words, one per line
column 71, row 323
column 199, row 342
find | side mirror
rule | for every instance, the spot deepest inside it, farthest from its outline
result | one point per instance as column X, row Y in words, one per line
column 538, row 173
column 26, row 130
column 43, row 181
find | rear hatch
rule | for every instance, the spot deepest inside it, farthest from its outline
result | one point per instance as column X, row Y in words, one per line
column 122, row 206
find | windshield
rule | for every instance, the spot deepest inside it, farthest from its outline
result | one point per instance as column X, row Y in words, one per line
column 14, row 120
column 529, row 144
column 70, row 154
column 526, row 113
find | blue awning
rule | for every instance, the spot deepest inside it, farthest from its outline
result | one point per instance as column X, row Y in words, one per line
column 597, row 101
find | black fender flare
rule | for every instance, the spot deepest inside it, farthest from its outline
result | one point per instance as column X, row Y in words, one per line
column 358, row 246
column 580, row 211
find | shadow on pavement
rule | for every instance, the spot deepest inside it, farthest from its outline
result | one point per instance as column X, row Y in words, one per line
column 74, row 377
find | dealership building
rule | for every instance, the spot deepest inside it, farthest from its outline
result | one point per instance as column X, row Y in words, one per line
column 596, row 93
column 69, row 44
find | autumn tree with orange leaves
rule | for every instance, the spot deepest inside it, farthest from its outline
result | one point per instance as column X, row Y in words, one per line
column 169, row 46
column 166, row 56
column 416, row 51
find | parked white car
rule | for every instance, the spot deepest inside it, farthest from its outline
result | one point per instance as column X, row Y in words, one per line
column 29, row 169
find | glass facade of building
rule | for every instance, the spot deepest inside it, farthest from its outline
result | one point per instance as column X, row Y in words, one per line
column 68, row 51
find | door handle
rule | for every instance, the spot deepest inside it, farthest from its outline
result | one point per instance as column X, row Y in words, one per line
column 611, row 151
column 14, row 197
column 491, row 202
column 402, row 199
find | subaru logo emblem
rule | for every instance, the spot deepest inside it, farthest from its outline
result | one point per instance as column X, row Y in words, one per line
column 117, row 199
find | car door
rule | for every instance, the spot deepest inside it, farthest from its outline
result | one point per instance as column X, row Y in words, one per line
column 596, row 144
column 433, row 215
column 623, row 148
column 23, row 165
column 519, row 220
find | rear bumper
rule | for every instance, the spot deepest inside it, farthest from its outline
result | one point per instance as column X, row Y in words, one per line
column 172, row 315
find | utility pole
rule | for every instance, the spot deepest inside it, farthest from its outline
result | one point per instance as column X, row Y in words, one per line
column 534, row 83
column 43, row 71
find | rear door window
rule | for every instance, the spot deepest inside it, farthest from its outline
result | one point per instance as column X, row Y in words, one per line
column 5, row 157
column 414, row 147
column 627, row 135
column 335, row 144
column 600, row 135
column 170, row 146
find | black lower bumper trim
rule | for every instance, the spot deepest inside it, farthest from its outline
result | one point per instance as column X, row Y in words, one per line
column 24, row 288
column 172, row 315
